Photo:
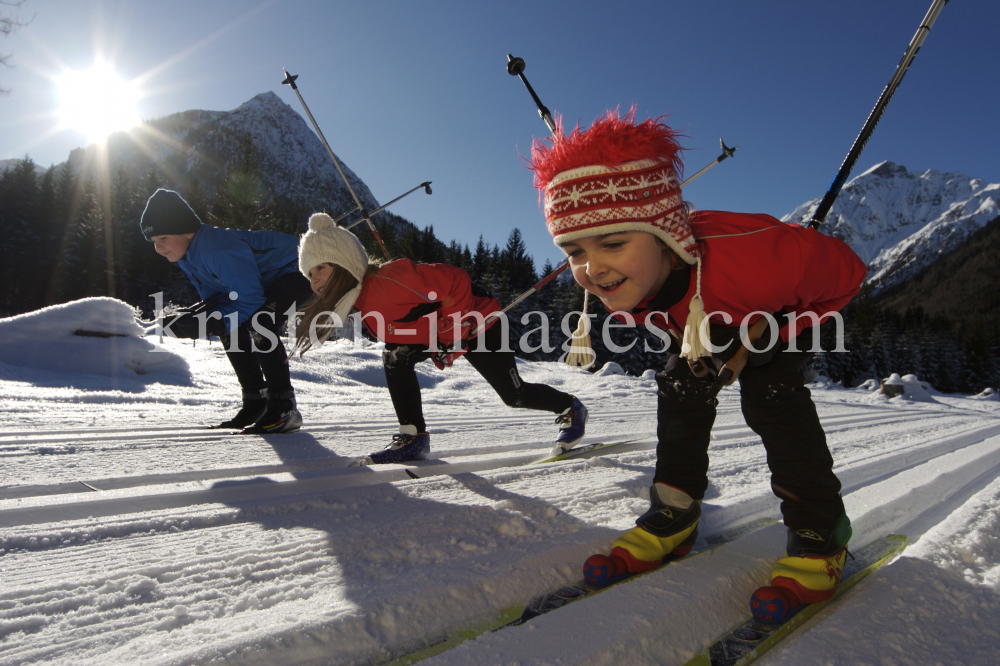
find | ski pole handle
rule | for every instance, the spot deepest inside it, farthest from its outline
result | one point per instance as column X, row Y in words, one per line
column 515, row 67
column 726, row 152
column 427, row 189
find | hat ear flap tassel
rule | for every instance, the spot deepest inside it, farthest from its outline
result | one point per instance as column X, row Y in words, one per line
column 581, row 354
column 693, row 342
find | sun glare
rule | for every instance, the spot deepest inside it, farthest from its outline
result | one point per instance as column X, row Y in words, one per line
column 97, row 102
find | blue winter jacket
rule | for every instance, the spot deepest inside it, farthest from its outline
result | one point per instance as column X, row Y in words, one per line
column 220, row 261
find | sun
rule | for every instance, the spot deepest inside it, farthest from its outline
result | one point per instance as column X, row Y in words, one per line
column 97, row 102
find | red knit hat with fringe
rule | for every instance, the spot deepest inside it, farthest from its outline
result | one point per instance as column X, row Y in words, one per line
column 614, row 176
column 619, row 176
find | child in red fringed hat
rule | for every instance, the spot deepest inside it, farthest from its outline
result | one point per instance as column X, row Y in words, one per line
column 613, row 204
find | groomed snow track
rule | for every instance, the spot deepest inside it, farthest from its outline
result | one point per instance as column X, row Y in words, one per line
column 256, row 554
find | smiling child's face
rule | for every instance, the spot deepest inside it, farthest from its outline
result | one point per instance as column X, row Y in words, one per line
column 621, row 268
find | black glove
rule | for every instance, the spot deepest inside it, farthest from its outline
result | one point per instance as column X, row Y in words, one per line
column 445, row 357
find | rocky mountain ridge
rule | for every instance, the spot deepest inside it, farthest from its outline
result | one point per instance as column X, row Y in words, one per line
column 200, row 146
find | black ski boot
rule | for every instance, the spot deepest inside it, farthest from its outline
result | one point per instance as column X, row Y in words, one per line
column 254, row 405
column 407, row 446
column 281, row 416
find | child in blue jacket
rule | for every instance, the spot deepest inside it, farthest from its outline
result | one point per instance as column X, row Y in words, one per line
column 250, row 283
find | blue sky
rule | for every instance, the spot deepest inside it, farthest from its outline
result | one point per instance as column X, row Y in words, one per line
column 414, row 91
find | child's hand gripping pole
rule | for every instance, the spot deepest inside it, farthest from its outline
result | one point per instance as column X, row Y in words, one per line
column 731, row 369
column 445, row 357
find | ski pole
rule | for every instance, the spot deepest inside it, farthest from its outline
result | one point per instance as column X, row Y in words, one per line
column 427, row 189
column 883, row 101
column 515, row 67
column 726, row 152
column 290, row 81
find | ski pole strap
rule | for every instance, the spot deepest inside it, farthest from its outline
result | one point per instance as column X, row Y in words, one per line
column 883, row 101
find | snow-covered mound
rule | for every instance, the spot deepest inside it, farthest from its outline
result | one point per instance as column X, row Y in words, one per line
column 610, row 368
column 900, row 221
column 67, row 338
column 867, row 385
column 913, row 389
column 820, row 381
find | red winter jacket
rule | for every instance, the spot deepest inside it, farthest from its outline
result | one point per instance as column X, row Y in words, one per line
column 408, row 296
column 756, row 263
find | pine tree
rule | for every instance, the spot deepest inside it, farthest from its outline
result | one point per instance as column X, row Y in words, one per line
column 18, row 237
column 467, row 260
column 243, row 202
column 480, row 260
column 47, row 234
column 516, row 264
column 68, row 251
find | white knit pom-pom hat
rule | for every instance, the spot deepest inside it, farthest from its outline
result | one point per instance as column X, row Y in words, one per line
column 326, row 243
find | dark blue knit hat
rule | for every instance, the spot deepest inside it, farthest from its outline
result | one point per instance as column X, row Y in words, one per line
column 167, row 213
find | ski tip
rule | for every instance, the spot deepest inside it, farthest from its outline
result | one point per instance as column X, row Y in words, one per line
column 559, row 453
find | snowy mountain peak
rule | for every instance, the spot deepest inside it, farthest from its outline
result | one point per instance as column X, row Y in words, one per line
column 899, row 221
column 268, row 98
column 197, row 146
column 884, row 169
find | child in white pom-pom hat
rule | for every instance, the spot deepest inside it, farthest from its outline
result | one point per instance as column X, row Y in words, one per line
column 415, row 308
column 613, row 205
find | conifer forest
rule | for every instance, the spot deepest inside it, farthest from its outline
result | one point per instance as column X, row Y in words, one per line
column 64, row 239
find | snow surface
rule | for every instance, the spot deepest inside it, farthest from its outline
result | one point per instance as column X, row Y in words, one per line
column 129, row 534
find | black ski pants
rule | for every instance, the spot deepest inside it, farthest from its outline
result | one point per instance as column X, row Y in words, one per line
column 778, row 407
column 497, row 367
column 261, row 369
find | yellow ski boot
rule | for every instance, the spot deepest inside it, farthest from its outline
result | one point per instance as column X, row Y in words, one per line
column 809, row 572
column 666, row 531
